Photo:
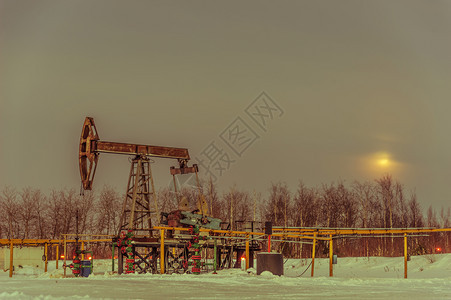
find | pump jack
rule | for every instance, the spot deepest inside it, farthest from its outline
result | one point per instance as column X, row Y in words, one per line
column 137, row 208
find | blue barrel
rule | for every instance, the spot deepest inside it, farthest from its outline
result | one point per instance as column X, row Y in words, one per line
column 86, row 267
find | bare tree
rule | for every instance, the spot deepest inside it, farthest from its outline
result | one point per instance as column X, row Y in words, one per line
column 40, row 224
column 62, row 211
column 365, row 194
column 402, row 207
column 415, row 217
column 349, row 205
column 278, row 204
column 432, row 217
column 167, row 200
column 108, row 210
column 330, row 206
column 415, row 214
column 386, row 190
column 432, row 222
column 256, row 200
column 10, row 209
column 27, row 211
column 53, row 214
column 86, row 210
column 213, row 199
column 236, row 206
column 306, row 207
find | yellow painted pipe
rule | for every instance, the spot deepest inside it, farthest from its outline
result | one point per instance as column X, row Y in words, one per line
column 46, row 259
column 43, row 241
column 11, row 266
column 57, row 255
column 235, row 233
column 65, row 256
column 313, row 254
column 331, row 257
column 247, row 252
column 360, row 231
column 162, row 251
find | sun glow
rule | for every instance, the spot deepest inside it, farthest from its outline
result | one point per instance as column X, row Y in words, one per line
column 378, row 163
column 383, row 162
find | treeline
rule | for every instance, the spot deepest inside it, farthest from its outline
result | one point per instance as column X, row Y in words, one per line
column 30, row 214
column 383, row 203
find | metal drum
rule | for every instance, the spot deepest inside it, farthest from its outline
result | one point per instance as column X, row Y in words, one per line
column 272, row 262
column 86, row 267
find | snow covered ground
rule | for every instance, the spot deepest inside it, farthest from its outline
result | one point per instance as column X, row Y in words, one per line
column 359, row 278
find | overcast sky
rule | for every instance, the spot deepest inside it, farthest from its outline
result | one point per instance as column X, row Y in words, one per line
column 351, row 90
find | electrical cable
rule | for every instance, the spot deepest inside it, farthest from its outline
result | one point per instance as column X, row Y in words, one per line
column 306, row 269
column 311, row 261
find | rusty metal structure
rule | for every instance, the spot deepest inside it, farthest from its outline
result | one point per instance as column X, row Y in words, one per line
column 138, row 207
column 91, row 147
